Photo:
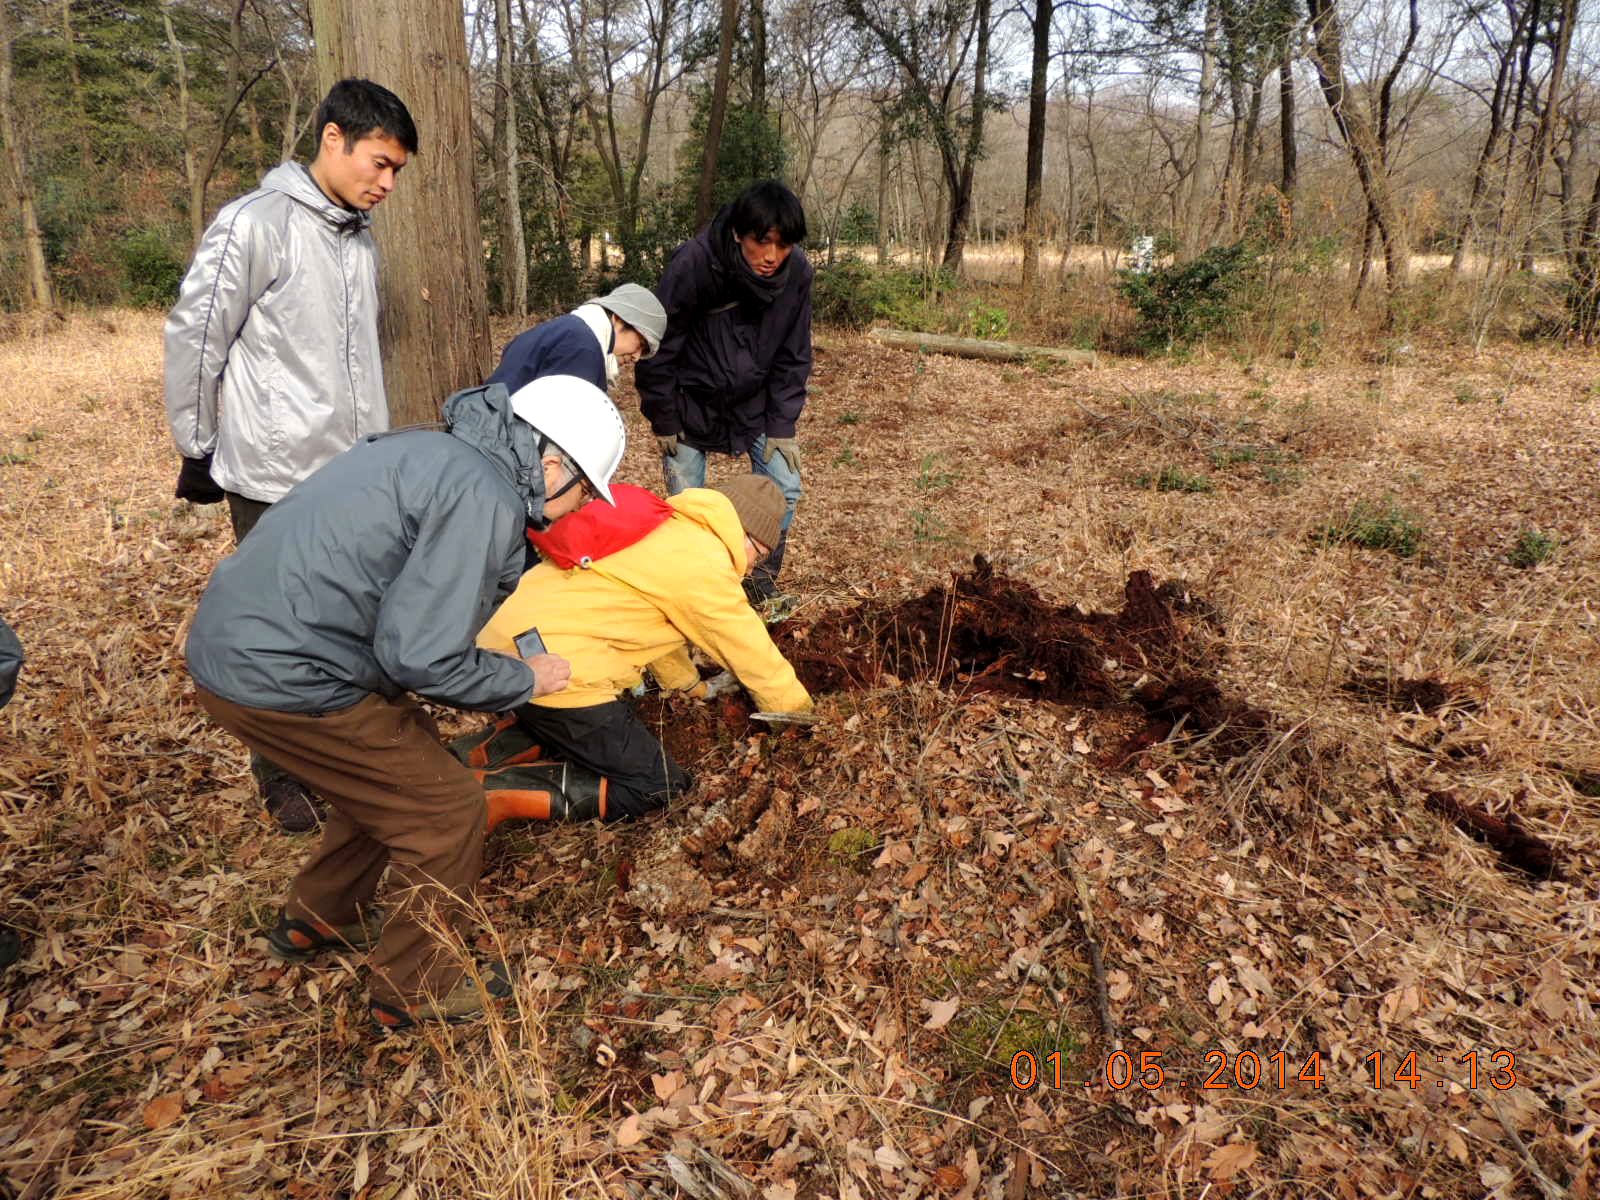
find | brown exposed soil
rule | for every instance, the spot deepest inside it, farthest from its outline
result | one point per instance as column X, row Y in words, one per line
column 987, row 632
column 1516, row 846
column 1429, row 695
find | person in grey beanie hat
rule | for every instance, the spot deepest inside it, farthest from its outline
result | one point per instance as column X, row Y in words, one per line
column 593, row 342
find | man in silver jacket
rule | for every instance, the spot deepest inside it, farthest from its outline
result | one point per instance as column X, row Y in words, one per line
column 272, row 363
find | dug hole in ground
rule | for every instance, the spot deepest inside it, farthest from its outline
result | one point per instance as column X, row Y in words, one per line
column 1181, row 724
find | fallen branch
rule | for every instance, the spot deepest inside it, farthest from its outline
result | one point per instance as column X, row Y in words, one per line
column 1097, row 962
column 938, row 343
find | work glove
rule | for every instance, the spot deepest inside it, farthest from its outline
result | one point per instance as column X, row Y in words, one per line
column 788, row 447
column 195, row 483
column 719, row 684
column 667, row 443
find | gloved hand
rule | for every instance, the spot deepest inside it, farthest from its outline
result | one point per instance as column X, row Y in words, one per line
column 667, row 443
column 709, row 689
column 195, row 483
column 788, row 447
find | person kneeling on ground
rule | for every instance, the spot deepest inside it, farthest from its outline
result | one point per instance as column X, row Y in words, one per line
column 621, row 589
column 367, row 582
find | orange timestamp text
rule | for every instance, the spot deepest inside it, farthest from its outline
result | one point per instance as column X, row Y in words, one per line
column 1246, row 1070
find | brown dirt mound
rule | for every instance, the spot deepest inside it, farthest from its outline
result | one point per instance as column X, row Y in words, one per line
column 984, row 631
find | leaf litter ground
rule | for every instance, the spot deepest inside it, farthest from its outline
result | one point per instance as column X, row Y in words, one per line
column 1168, row 772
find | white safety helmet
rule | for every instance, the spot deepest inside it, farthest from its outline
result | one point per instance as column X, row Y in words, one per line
column 580, row 420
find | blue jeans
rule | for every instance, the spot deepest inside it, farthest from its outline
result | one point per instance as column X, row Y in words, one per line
column 687, row 469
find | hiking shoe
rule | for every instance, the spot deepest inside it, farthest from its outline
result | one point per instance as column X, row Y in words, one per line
column 503, row 744
column 462, row 1003
column 293, row 941
column 291, row 804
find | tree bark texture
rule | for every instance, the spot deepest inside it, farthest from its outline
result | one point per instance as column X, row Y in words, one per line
column 719, row 110
column 435, row 323
column 1360, row 135
column 961, row 186
column 1290, row 175
column 40, row 293
column 1033, row 181
column 515, row 250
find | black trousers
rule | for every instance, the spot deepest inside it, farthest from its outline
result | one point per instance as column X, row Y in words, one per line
column 612, row 741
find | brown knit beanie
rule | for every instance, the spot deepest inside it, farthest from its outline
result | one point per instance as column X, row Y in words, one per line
column 760, row 505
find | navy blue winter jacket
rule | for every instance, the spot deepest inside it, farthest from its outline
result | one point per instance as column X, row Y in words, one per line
column 731, row 367
column 560, row 346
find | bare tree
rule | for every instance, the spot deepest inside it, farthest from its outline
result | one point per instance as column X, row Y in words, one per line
column 719, row 108
column 1033, row 182
column 40, row 292
column 1360, row 129
column 621, row 54
column 200, row 162
column 943, row 58
column 514, row 248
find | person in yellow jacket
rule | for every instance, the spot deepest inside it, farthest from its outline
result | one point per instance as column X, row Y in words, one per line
column 622, row 589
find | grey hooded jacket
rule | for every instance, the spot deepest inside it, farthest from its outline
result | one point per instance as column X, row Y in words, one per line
column 376, row 574
column 272, row 348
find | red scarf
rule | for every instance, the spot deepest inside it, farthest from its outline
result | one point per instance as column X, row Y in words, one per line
column 598, row 529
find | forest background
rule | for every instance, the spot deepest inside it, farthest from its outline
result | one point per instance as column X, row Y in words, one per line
column 1422, row 164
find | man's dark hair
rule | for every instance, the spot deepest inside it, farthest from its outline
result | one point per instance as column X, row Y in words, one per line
column 769, row 205
column 361, row 108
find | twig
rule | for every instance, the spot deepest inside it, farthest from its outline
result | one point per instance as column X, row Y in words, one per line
column 1547, row 1186
column 1097, row 965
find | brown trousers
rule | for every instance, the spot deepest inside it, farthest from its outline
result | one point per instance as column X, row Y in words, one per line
column 398, row 799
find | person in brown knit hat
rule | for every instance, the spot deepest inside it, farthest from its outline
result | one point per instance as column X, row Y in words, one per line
column 622, row 590
column 760, row 506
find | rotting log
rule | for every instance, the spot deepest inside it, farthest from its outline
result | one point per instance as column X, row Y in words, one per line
column 938, row 343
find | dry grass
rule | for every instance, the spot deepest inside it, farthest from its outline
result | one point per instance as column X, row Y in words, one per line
column 788, row 1041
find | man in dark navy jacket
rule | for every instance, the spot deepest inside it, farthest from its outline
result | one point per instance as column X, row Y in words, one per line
column 730, row 376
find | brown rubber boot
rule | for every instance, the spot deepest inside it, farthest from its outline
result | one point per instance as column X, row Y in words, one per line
column 503, row 744
column 546, row 791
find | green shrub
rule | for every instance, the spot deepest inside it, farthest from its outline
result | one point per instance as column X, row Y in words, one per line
column 854, row 294
column 1533, row 548
column 988, row 321
column 1179, row 304
column 1384, row 526
column 151, row 268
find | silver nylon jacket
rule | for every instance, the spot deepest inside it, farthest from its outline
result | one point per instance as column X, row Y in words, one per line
column 375, row 574
column 276, row 326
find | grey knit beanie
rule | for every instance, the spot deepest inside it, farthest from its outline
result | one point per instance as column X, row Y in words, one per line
column 760, row 505
column 639, row 308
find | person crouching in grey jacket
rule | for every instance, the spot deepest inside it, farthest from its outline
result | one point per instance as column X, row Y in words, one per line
column 272, row 362
column 369, row 581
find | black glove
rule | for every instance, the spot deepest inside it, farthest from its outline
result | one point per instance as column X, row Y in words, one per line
column 195, row 483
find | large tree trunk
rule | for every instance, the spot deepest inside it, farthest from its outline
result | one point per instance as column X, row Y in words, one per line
column 1033, row 183
column 435, row 324
column 514, row 250
column 40, row 293
column 719, row 109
